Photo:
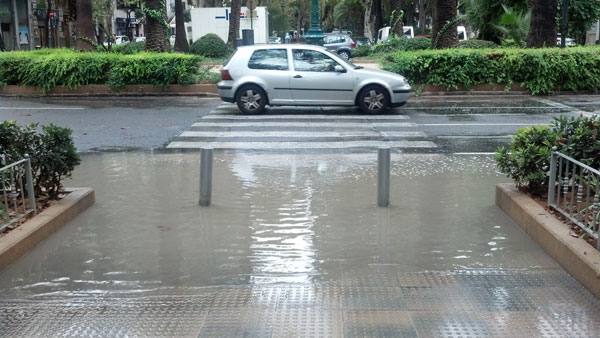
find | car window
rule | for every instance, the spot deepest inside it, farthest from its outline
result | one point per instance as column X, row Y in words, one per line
column 272, row 59
column 306, row 60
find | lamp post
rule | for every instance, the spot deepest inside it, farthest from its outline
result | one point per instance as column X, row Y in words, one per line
column 314, row 35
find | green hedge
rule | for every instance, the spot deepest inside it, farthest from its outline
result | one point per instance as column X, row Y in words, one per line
column 540, row 71
column 49, row 68
column 210, row 45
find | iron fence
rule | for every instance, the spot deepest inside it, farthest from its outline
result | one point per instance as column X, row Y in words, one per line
column 574, row 191
column 17, row 197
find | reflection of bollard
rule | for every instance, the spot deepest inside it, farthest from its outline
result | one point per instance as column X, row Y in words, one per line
column 383, row 177
column 206, row 161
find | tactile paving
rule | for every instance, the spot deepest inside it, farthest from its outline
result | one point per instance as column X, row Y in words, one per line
column 460, row 303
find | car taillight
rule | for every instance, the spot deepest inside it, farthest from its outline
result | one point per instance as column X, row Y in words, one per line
column 353, row 44
column 225, row 76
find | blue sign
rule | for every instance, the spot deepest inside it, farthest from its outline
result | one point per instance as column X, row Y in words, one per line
column 226, row 16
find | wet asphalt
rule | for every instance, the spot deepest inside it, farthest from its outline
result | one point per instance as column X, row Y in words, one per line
column 454, row 124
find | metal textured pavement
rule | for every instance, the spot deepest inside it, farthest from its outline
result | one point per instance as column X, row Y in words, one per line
column 463, row 303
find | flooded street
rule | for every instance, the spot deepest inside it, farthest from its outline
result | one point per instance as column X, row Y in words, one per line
column 293, row 245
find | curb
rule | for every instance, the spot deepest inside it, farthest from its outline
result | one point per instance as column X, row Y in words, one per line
column 576, row 256
column 22, row 239
column 202, row 89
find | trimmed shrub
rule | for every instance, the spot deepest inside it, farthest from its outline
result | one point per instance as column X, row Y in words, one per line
column 52, row 152
column 210, row 45
column 540, row 71
column 51, row 68
column 477, row 44
column 130, row 48
column 156, row 69
column 402, row 44
column 527, row 158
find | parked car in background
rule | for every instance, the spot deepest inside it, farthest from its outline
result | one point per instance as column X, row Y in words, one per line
column 569, row 42
column 118, row 40
column 306, row 75
column 274, row 39
column 139, row 39
column 362, row 41
column 341, row 44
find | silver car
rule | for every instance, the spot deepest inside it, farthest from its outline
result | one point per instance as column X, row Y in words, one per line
column 341, row 44
column 305, row 75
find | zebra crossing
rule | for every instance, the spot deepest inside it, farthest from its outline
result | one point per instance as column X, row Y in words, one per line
column 225, row 128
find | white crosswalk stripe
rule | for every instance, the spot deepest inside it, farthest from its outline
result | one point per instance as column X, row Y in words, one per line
column 224, row 128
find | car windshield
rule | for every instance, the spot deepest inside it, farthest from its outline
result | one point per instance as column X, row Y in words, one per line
column 347, row 62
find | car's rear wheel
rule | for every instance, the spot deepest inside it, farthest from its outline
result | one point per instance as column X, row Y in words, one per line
column 251, row 99
column 344, row 54
column 373, row 99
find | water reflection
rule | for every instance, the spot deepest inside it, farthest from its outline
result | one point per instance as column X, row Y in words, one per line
column 282, row 234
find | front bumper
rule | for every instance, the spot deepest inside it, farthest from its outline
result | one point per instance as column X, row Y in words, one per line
column 400, row 96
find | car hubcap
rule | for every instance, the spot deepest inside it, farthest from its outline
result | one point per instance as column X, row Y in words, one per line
column 344, row 55
column 374, row 100
column 251, row 99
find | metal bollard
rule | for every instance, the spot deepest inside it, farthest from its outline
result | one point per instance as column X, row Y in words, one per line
column 29, row 184
column 383, row 177
column 206, row 162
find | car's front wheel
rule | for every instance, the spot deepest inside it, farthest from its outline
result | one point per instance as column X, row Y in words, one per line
column 251, row 99
column 373, row 99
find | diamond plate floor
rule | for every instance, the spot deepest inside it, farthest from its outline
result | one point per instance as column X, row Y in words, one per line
column 269, row 261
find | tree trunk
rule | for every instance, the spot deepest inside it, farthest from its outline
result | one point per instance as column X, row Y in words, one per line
column 396, row 8
column 542, row 32
column 181, row 43
column 444, row 33
column 368, row 20
column 234, row 23
column 422, row 7
column 84, row 28
column 156, row 33
column 377, row 13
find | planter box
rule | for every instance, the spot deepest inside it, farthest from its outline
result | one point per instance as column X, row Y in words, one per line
column 22, row 239
column 576, row 256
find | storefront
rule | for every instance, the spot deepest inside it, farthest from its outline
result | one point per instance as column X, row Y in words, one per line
column 15, row 26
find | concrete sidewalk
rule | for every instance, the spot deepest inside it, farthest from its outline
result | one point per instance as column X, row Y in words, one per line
column 293, row 245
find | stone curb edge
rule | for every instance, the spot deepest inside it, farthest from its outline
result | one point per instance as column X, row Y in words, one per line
column 22, row 239
column 576, row 256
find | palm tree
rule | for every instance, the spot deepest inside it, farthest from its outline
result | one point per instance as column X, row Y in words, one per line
column 181, row 42
column 444, row 23
column 542, row 32
column 156, row 26
column 234, row 22
column 85, row 33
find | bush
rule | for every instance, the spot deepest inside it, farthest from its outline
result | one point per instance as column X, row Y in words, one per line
column 50, row 68
column 362, row 50
column 130, row 48
column 156, row 69
column 477, row 44
column 540, row 71
column 210, row 45
column 402, row 44
column 526, row 159
column 52, row 152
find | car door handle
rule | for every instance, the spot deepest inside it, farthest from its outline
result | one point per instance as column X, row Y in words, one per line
column 297, row 76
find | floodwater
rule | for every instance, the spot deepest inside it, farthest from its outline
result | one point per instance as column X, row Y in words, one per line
column 293, row 245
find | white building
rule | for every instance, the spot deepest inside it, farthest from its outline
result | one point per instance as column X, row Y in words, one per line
column 593, row 34
column 216, row 20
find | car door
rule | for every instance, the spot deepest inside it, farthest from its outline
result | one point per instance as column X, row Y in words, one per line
column 272, row 67
column 315, row 81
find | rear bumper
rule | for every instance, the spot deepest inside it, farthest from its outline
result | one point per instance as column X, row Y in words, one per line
column 225, row 90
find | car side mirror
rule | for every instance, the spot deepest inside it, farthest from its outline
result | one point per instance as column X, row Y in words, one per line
column 339, row 69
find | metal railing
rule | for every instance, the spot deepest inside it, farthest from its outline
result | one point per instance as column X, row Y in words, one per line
column 574, row 191
column 17, row 197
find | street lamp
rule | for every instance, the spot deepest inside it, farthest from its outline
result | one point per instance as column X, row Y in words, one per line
column 314, row 35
